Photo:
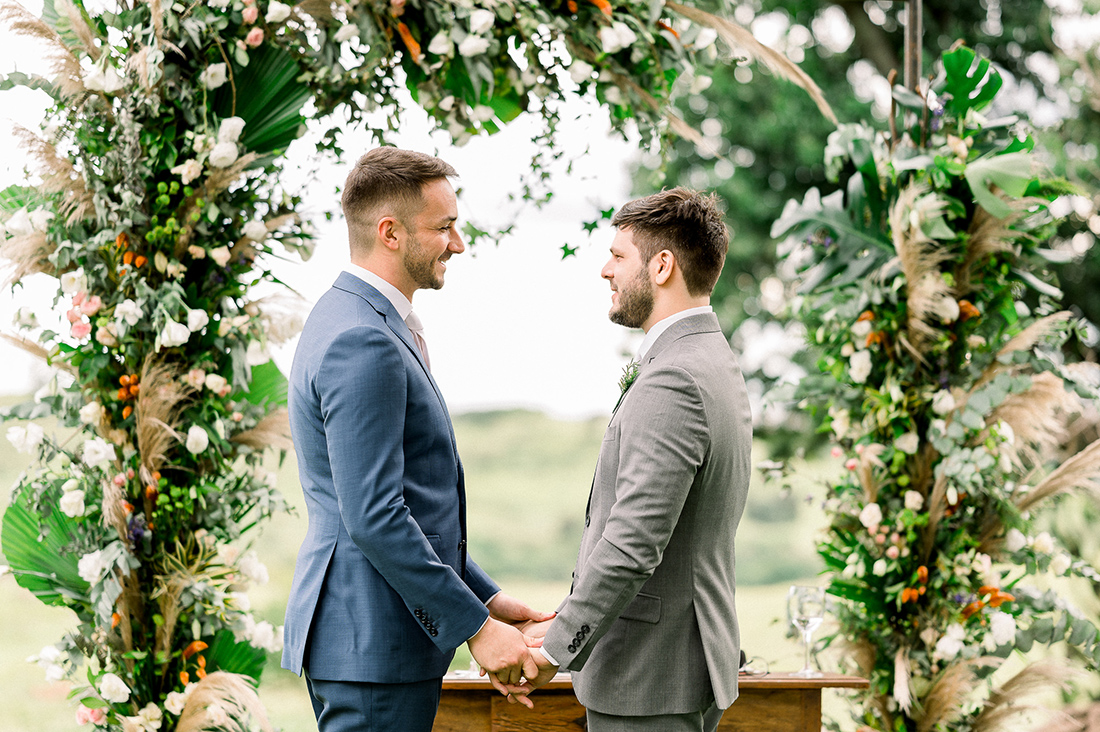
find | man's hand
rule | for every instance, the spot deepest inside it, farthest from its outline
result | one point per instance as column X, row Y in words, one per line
column 501, row 650
column 535, row 629
column 508, row 609
column 546, row 672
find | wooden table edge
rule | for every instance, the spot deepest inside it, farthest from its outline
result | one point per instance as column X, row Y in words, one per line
column 768, row 681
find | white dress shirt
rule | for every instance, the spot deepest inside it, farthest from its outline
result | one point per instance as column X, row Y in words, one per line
column 397, row 298
column 663, row 325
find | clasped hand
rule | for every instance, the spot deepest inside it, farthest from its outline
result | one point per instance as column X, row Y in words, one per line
column 506, row 648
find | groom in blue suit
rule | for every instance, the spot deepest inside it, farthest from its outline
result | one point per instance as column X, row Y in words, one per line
column 384, row 590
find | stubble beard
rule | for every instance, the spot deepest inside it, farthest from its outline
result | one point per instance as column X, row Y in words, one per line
column 420, row 268
column 635, row 301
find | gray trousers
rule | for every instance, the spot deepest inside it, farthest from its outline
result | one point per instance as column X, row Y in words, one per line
column 705, row 721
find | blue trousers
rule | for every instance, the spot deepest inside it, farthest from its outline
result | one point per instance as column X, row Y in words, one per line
column 359, row 706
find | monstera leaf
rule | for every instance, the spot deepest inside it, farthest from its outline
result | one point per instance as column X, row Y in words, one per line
column 971, row 81
column 34, row 548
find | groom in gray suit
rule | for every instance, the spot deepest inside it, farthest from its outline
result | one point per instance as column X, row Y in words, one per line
column 649, row 628
column 384, row 590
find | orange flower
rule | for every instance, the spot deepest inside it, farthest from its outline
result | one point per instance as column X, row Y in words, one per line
column 185, row 678
column 603, row 5
column 874, row 337
column 865, row 315
column 201, row 673
column 115, row 620
column 193, row 648
column 410, row 42
column 967, row 310
column 123, row 393
column 572, row 5
column 122, row 241
column 908, row 594
column 151, row 492
column 128, row 258
column 127, row 411
column 127, row 507
column 922, row 574
column 996, row 597
column 139, row 261
column 972, row 608
column 665, row 26
column 134, row 389
column 156, row 475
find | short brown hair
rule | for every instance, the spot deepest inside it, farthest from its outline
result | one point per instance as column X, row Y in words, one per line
column 388, row 181
column 689, row 224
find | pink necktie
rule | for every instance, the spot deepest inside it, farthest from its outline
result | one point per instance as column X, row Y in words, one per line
column 417, row 329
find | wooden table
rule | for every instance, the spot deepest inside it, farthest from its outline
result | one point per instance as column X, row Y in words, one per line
column 771, row 703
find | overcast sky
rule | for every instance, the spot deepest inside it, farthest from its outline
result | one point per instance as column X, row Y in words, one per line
column 515, row 326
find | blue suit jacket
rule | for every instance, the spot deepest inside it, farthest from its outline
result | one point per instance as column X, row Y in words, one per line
column 383, row 590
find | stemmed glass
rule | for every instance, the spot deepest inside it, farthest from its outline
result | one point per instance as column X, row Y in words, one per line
column 806, row 606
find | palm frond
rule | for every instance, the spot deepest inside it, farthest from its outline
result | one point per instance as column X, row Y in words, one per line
column 79, row 27
column 988, row 235
column 1080, row 471
column 944, row 702
column 919, row 260
column 1034, row 416
column 739, row 37
column 25, row 256
column 1029, row 336
column 1002, row 707
column 58, row 176
column 157, row 410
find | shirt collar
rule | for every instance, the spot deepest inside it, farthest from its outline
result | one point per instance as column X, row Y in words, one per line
column 663, row 325
column 397, row 298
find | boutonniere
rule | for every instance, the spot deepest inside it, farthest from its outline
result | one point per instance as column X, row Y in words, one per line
column 630, row 372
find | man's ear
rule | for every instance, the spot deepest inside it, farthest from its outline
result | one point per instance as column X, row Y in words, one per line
column 390, row 232
column 664, row 263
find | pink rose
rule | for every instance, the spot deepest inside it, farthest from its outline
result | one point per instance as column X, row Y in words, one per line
column 397, row 8
column 250, row 14
column 893, row 552
column 852, row 464
column 255, row 36
column 78, row 298
column 81, row 330
column 195, row 378
column 74, row 315
column 836, row 452
column 91, row 306
column 84, row 715
column 880, row 539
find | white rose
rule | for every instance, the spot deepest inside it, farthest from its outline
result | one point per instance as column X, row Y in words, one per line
column 255, row 230
column 97, row 452
column 948, row 310
column 908, row 443
column 197, row 439
column 72, row 504
column 943, row 402
column 216, row 383
column 92, row 567
column 92, row 413
column 114, row 689
column 73, row 282
column 841, row 421
column 230, row 130
column 860, row 366
column 1015, row 540
column 112, row 82
column 94, row 80
column 440, row 44
column 277, row 12
column 473, row 46
column 1002, row 628
column 252, row 568
column 706, row 37
column 197, row 320
column 879, row 569
column 40, row 219
column 347, row 32
column 861, row 330
column 580, row 71
column 223, row 155
column 150, row 717
column 871, row 515
column 20, row 223
column 220, row 255
column 951, row 644
column 174, row 334
column 212, row 77
column 913, row 500
column 257, row 354
column 26, row 439
column 481, row 20
column 1060, row 564
column 175, row 702
column 1043, row 543
column 616, row 37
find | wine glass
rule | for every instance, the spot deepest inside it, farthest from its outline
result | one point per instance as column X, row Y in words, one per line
column 806, row 606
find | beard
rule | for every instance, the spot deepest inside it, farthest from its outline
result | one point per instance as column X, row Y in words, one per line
column 421, row 267
column 635, row 301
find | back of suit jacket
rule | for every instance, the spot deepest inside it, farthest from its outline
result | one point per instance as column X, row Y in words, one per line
column 654, row 580
column 382, row 591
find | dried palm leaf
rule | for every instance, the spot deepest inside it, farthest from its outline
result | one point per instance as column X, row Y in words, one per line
column 1023, row 341
column 937, row 506
column 38, row 351
column 1080, row 471
column 1033, row 416
column 183, row 569
column 988, row 235
column 68, row 76
column 59, row 175
column 741, row 38
column 79, row 27
column 157, row 413
column 221, row 178
column 319, row 10
column 868, row 461
column 271, row 431
column 234, row 695
column 113, row 513
column 903, row 694
column 944, row 702
column 25, row 255
column 282, row 314
column 156, row 12
column 1001, row 707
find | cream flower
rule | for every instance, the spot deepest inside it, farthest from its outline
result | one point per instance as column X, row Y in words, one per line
column 220, row 255
column 212, row 77
column 616, row 37
column 951, row 644
column 580, row 71
column 197, row 320
column 860, row 366
column 223, row 155
column 92, row 413
column 216, row 383
column 473, row 46
column 197, row 440
column 943, row 402
column 871, row 515
column 441, row 44
column 114, row 689
column 1002, row 628
column 174, row 334
column 1060, row 564
column 1043, row 543
column 481, row 20
column 1015, row 540
column 255, row 230
column 73, row 282
column 97, row 452
column 277, row 12
column 195, row 378
column 72, row 504
column 26, row 439
column 913, row 501
column 908, row 443
column 346, row 33
column 879, row 569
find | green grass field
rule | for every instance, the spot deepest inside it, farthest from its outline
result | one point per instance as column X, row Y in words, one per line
column 527, row 480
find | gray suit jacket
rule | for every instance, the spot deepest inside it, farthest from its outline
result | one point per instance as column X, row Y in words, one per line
column 649, row 626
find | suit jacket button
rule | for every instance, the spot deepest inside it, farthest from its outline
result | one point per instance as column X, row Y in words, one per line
column 572, row 648
column 434, row 632
column 584, row 629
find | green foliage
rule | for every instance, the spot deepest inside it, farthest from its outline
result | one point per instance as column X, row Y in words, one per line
column 36, row 548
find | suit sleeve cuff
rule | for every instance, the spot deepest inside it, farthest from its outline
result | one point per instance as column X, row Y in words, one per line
column 487, row 619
